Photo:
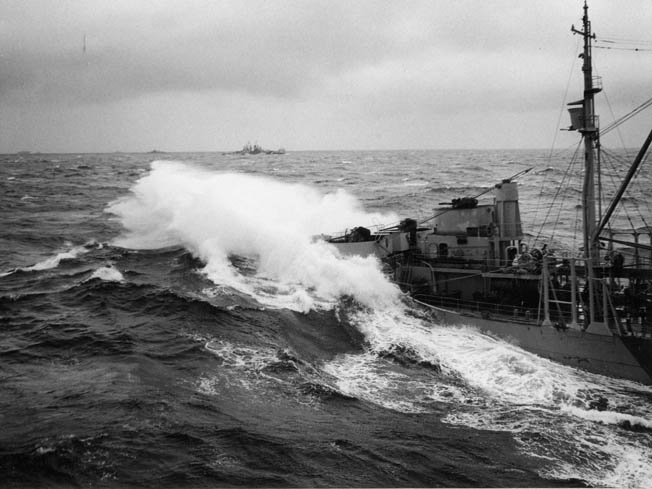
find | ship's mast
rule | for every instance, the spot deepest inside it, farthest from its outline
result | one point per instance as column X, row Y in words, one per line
column 589, row 131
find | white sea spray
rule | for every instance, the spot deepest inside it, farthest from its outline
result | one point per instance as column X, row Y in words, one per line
column 215, row 215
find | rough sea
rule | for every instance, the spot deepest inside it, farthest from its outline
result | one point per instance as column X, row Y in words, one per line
column 169, row 320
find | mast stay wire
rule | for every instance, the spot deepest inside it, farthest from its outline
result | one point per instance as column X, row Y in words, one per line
column 620, row 44
column 627, row 116
column 565, row 97
column 554, row 139
column 641, row 201
column 612, row 176
column 616, row 40
column 562, row 186
column 615, row 123
column 611, row 157
column 638, row 50
column 641, row 176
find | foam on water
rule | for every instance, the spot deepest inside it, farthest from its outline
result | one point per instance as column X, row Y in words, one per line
column 241, row 366
column 241, row 357
column 215, row 215
column 267, row 372
column 365, row 376
column 549, row 408
column 108, row 274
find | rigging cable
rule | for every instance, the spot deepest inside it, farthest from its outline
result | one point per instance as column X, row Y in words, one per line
column 619, row 44
column 509, row 179
column 554, row 139
column 618, row 40
column 613, row 116
column 561, row 186
column 612, row 175
column 642, row 176
column 638, row 202
column 627, row 116
column 565, row 97
column 623, row 49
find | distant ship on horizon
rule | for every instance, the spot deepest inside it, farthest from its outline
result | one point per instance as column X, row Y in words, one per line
column 255, row 149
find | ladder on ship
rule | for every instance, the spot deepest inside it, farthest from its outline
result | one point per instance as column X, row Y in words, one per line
column 608, row 320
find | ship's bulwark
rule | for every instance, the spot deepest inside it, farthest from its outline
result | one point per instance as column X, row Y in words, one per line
column 198, row 336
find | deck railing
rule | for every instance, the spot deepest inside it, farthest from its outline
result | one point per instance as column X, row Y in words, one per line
column 487, row 310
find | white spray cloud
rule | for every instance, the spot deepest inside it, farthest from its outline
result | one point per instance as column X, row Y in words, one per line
column 215, row 215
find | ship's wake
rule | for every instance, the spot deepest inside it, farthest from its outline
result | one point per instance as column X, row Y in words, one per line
column 581, row 425
column 254, row 236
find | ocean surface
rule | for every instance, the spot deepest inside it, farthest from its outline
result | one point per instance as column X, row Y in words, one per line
column 169, row 320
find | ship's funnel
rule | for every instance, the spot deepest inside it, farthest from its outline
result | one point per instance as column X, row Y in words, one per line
column 508, row 213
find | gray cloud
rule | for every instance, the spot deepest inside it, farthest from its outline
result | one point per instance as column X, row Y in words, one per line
column 273, row 48
column 420, row 61
column 263, row 47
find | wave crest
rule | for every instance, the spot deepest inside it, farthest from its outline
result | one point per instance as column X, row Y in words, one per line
column 216, row 215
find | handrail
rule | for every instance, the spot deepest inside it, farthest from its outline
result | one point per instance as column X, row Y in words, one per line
column 485, row 308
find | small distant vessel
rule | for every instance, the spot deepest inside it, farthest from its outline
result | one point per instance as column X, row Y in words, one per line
column 255, row 149
column 469, row 264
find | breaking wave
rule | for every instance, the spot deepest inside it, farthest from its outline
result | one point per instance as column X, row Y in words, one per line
column 217, row 215
column 52, row 261
column 107, row 274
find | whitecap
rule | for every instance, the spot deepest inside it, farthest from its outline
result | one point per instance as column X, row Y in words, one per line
column 108, row 274
column 54, row 261
column 609, row 417
column 415, row 183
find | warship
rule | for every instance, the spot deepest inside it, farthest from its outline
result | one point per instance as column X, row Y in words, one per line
column 255, row 149
column 469, row 264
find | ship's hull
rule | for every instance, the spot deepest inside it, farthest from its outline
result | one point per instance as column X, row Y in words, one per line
column 608, row 355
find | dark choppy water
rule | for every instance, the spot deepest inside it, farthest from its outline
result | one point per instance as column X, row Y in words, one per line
column 173, row 324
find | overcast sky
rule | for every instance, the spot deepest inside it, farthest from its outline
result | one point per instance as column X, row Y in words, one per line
column 188, row 75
